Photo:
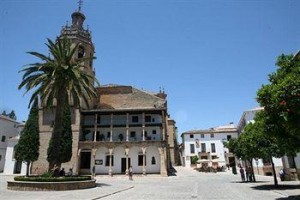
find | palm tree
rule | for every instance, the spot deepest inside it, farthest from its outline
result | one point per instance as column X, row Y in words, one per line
column 58, row 80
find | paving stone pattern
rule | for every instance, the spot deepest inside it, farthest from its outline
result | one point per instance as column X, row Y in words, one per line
column 186, row 184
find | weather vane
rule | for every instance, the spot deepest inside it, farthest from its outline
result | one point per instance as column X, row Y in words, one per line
column 80, row 2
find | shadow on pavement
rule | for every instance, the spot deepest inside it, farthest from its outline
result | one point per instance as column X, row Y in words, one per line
column 294, row 197
column 102, row 184
column 279, row 187
column 250, row 182
column 172, row 172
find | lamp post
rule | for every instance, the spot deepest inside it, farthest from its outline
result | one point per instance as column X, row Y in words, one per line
column 256, row 161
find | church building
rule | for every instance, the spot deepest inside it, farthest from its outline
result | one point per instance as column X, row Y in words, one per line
column 123, row 127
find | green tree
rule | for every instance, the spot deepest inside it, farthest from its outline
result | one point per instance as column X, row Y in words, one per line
column 255, row 142
column 60, row 76
column 281, row 100
column 65, row 153
column 12, row 115
column 27, row 149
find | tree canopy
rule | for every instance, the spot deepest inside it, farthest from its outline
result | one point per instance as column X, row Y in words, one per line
column 281, row 100
column 58, row 80
column 27, row 149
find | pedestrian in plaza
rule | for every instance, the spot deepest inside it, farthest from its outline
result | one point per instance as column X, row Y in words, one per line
column 130, row 173
column 248, row 174
column 62, row 172
column 242, row 172
column 281, row 174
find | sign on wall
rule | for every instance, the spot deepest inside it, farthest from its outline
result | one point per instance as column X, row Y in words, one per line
column 98, row 162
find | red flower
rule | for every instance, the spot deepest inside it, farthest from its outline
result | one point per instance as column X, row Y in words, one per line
column 283, row 103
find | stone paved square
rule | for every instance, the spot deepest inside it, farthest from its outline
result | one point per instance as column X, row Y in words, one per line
column 186, row 184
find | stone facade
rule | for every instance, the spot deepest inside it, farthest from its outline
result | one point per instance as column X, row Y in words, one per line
column 122, row 127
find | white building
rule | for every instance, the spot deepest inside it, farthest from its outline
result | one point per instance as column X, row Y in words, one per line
column 9, row 128
column 208, row 146
column 264, row 167
column 12, row 166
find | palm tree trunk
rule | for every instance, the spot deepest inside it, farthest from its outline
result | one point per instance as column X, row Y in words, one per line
column 274, row 173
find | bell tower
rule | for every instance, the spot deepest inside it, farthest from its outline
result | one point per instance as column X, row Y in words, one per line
column 80, row 36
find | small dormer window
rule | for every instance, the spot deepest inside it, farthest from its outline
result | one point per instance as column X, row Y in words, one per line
column 80, row 52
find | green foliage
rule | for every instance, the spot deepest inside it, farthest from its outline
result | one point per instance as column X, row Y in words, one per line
column 64, row 153
column 52, row 179
column 60, row 77
column 194, row 159
column 255, row 142
column 11, row 115
column 27, row 148
column 281, row 101
column 47, row 175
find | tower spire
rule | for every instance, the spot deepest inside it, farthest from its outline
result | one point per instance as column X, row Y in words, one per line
column 80, row 2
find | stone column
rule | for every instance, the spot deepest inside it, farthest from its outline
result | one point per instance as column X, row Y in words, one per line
column 144, row 160
column 111, row 126
column 127, row 154
column 79, row 161
column 143, row 126
column 127, row 127
column 95, row 127
column 163, row 168
column 163, row 126
column 93, row 162
column 110, row 161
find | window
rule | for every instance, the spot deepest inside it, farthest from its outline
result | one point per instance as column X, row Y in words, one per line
column 153, row 161
column 148, row 118
column 213, row 147
column 212, row 135
column 108, row 134
column 203, row 148
column 202, row 135
column 153, row 132
column 98, row 119
column 197, row 143
column 228, row 137
column 3, row 138
column 132, row 134
column 192, row 136
column 135, row 119
column 153, row 119
column 192, row 148
column 140, row 160
column 107, row 160
column 266, row 161
column 80, row 51
column 291, row 162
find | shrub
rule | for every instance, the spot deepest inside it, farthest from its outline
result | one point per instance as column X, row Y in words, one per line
column 52, row 179
column 47, row 175
column 194, row 159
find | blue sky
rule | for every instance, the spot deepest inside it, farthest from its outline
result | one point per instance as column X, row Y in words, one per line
column 209, row 56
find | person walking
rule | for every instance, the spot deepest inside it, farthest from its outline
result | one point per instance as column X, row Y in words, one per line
column 281, row 174
column 242, row 172
column 130, row 173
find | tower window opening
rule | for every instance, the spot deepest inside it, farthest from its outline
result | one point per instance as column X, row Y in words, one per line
column 80, row 52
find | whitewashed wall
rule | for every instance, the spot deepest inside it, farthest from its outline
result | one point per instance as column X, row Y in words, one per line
column 119, row 153
column 208, row 140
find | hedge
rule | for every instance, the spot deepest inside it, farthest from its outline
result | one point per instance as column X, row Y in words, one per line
column 52, row 179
